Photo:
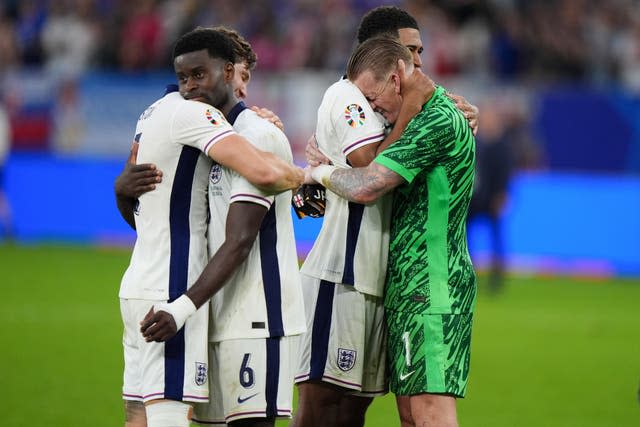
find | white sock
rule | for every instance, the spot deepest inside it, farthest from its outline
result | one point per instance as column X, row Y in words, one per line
column 168, row 413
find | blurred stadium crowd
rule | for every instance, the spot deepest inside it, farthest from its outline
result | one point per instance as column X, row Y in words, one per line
column 497, row 53
column 543, row 39
column 557, row 83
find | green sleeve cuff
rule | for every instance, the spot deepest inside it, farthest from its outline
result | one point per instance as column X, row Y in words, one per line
column 396, row 167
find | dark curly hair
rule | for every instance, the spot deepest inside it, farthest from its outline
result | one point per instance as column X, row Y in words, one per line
column 384, row 20
column 241, row 46
column 218, row 44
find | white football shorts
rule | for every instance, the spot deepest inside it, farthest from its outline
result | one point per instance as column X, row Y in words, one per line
column 176, row 369
column 250, row 378
column 345, row 343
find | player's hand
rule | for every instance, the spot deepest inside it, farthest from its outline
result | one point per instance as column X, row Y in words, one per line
column 308, row 179
column 471, row 112
column 135, row 180
column 416, row 88
column 265, row 113
column 300, row 176
column 164, row 320
column 313, row 155
column 158, row 326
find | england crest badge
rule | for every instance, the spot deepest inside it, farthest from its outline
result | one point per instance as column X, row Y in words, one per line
column 216, row 173
column 201, row 373
column 346, row 359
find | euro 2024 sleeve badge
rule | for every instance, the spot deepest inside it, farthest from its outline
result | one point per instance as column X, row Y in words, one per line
column 214, row 117
column 354, row 114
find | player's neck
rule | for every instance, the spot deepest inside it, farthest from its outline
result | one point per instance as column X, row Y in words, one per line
column 231, row 102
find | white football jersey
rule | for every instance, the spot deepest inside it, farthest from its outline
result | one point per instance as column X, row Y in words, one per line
column 171, row 222
column 353, row 243
column 263, row 297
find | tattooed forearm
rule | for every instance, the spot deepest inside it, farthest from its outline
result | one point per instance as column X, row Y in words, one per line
column 363, row 185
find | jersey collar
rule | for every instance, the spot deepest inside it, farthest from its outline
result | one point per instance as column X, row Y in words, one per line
column 436, row 94
column 231, row 117
column 170, row 88
column 235, row 112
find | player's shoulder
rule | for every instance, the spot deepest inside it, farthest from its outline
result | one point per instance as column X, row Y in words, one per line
column 440, row 100
column 187, row 112
column 440, row 105
column 164, row 101
column 343, row 99
column 249, row 121
column 343, row 90
column 259, row 131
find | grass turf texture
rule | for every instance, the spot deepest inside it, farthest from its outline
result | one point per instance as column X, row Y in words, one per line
column 546, row 351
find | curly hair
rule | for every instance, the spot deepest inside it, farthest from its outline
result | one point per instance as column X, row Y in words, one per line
column 384, row 21
column 217, row 44
column 241, row 47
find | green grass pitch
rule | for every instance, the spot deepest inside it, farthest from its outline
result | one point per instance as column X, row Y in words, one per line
column 545, row 352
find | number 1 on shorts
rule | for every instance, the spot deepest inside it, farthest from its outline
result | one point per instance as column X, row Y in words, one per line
column 407, row 348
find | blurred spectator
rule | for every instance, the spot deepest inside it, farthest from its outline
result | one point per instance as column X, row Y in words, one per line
column 556, row 37
column 178, row 17
column 30, row 21
column 332, row 36
column 264, row 36
column 474, row 43
column 68, row 122
column 443, row 44
column 625, row 47
column 545, row 40
column 6, row 230
column 506, row 47
column 142, row 38
column 494, row 162
column 9, row 50
column 69, row 38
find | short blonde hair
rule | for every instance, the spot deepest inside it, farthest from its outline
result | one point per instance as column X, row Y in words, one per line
column 379, row 55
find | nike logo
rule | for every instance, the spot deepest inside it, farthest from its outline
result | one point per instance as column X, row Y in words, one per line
column 241, row 400
column 405, row 376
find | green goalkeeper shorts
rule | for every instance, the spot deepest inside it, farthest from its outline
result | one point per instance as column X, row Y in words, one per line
column 429, row 353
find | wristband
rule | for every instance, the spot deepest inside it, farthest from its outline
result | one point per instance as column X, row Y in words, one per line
column 322, row 173
column 179, row 309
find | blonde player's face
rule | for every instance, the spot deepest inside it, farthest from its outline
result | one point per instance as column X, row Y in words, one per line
column 410, row 37
column 383, row 96
column 241, row 78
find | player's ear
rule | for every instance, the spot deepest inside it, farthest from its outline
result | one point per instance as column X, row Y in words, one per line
column 397, row 82
column 402, row 69
column 229, row 71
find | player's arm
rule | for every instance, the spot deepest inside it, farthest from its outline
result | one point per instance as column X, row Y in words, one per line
column 362, row 185
column 417, row 89
column 133, row 181
column 243, row 223
column 264, row 170
column 204, row 127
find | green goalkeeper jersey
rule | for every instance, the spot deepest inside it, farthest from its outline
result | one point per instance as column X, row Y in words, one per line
column 430, row 269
